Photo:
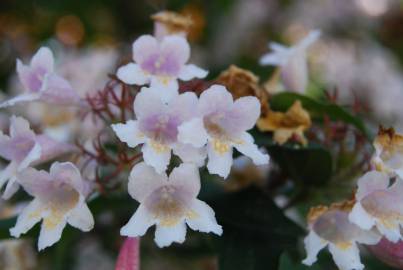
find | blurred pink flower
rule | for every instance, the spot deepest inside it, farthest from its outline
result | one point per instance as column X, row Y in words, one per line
column 129, row 255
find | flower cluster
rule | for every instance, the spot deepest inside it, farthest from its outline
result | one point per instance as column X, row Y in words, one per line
column 165, row 122
column 375, row 213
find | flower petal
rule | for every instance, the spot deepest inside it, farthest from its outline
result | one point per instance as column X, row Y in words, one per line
column 370, row 182
column 144, row 47
column 43, row 59
column 29, row 216
column 67, row 172
column 203, row 218
column 190, row 154
column 176, row 47
column 219, row 162
column 165, row 236
column 138, row 223
column 361, row 218
column 191, row 71
column 19, row 99
column 50, row 235
column 390, row 231
column 183, row 106
column 215, row 98
column 159, row 159
column 346, row 259
column 57, row 90
column 193, row 132
column 165, row 87
column 148, row 102
column 32, row 156
column 294, row 72
column 245, row 112
column 81, row 217
column 313, row 244
column 20, row 126
column 187, row 177
column 132, row 74
column 35, row 183
column 143, row 180
column 249, row 149
column 7, row 173
column 129, row 133
column 11, row 188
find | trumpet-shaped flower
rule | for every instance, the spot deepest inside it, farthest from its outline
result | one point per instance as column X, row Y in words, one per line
column 388, row 156
column 222, row 124
column 157, row 128
column 379, row 204
column 41, row 83
column 23, row 148
column 331, row 227
column 293, row 63
column 169, row 203
column 160, row 64
column 58, row 200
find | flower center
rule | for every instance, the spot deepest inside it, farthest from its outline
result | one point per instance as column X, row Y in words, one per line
column 162, row 129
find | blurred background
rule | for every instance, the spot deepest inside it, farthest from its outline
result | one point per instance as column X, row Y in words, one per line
column 359, row 59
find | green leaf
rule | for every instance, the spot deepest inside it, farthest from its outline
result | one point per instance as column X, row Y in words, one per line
column 256, row 232
column 317, row 109
column 311, row 164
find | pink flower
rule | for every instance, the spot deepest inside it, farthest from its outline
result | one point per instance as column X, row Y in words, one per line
column 222, row 124
column 58, row 199
column 41, row 83
column 160, row 63
column 170, row 203
column 389, row 252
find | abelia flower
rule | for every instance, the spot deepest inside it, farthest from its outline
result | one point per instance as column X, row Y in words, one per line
column 160, row 64
column 41, row 83
column 330, row 226
column 388, row 155
column 24, row 148
column 293, row 63
column 222, row 124
column 157, row 128
column 169, row 203
column 379, row 204
column 58, row 200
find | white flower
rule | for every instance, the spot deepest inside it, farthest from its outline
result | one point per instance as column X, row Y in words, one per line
column 58, row 200
column 157, row 128
column 222, row 124
column 41, row 83
column 379, row 205
column 170, row 203
column 160, row 63
column 293, row 63
column 331, row 227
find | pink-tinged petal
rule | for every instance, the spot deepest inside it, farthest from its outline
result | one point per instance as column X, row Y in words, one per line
column 193, row 133
column 5, row 151
column 165, row 236
column 245, row 112
column 191, row 71
column 143, row 180
column 176, row 49
column 27, row 218
column 313, row 244
column 165, row 87
column 370, row 182
column 156, row 157
column 184, row 106
column 129, row 255
column 20, row 99
column 219, row 162
column 43, row 59
column 347, row 258
column 57, row 90
column 36, row 183
column 32, row 156
column 294, row 72
column 50, row 235
column 51, row 148
column 190, row 154
column 203, row 218
column 132, row 74
column 20, row 127
column 138, row 223
column 144, row 47
column 129, row 133
column 67, row 172
column 11, row 188
column 81, row 217
column 186, row 177
column 216, row 98
column 307, row 41
column 147, row 102
column 9, row 171
column 247, row 147
column 361, row 218
column 31, row 79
